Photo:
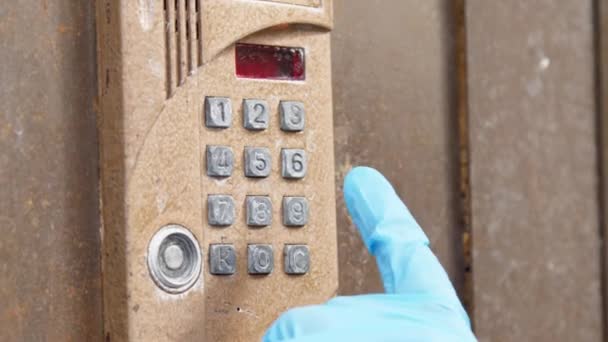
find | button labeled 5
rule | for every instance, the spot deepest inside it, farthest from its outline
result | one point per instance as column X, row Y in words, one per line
column 257, row 162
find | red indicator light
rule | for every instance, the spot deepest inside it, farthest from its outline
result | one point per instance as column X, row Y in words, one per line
column 270, row 62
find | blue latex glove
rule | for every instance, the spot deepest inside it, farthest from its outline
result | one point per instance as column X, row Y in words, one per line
column 420, row 303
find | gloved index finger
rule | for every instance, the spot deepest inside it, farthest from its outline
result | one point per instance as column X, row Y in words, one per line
column 393, row 236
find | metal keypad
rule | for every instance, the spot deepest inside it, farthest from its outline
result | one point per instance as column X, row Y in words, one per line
column 257, row 165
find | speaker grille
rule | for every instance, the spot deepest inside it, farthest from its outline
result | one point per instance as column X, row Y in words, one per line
column 183, row 43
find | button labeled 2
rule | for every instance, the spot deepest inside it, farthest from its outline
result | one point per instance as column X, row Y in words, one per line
column 255, row 114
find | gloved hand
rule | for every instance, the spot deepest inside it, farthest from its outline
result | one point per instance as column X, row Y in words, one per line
column 420, row 303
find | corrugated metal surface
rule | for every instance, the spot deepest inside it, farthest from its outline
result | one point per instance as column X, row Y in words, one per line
column 534, row 180
column 49, row 219
column 394, row 110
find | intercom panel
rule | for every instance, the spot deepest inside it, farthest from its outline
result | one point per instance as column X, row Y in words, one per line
column 218, row 200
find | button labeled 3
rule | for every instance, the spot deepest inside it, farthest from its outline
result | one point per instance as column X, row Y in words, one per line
column 292, row 116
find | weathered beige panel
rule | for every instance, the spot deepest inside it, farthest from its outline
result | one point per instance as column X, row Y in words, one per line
column 225, row 22
column 153, row 172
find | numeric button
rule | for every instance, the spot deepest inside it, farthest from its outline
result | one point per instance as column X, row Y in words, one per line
column 293, row 162
column 259, row 211
column 220, row 210
column 218, row 112
column 292, row 115
column 220, row 161
column 255, row 114
column 260, row 259
column 295, row 211
column 257, row 162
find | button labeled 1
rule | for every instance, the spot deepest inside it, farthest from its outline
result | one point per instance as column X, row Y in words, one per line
column 218, row 112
